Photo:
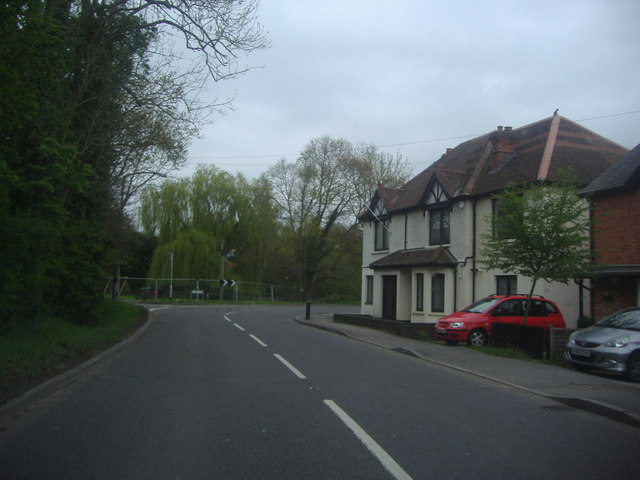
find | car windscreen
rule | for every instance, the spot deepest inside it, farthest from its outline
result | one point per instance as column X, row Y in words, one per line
column 482, row 306
column 626, row 319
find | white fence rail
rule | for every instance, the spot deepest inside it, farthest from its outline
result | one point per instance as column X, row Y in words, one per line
column 198, row 289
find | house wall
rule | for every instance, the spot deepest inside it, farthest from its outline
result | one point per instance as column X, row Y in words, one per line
column 566, row 296
column 428, row 315
column 617, row 242
column 459, row 282
column 416, row 229
column 365, row 308
column 611, row 294
column 405, row 289
column 617, row 229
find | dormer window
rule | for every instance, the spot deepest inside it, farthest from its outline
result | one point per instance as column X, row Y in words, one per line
column 438, row 206
column 381, row 226
column 436, row 194
column 380, row 210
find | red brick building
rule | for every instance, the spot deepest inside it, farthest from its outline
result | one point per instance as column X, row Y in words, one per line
column 615, row 197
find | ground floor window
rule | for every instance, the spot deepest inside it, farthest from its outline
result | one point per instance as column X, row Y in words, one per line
column 369, row 293
column 506, row 284
column 437, row 292
column 419, row 292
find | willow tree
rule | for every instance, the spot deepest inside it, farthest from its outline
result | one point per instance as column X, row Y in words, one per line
column 203, row 218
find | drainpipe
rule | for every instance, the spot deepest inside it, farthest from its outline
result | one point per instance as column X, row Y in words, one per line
column 455, row 288
column 474, row 270
column 405, row 230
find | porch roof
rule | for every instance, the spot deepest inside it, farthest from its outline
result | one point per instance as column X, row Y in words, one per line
column 418, row 257
column 618, row 271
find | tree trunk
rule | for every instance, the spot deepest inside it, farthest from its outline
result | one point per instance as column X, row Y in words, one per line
column 526, row 312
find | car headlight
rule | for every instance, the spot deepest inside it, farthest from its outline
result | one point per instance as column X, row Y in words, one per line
column 456, row 325
column 618, row 342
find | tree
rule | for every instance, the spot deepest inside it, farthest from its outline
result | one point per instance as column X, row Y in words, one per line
column 93, row 109
column 374, row 168
column 540, row 231
column 162, row 107
column 195, row 217
column 321, row 193
column 218, row 31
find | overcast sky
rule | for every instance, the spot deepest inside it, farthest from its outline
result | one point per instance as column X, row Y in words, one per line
column 418, row 76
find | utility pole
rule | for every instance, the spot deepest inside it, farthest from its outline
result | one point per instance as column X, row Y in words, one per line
column 170, row 276
column 222, row 258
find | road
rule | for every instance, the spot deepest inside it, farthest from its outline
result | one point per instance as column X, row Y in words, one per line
column 225, row 392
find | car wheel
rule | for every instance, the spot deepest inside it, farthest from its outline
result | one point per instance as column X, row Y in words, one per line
column 633, row 367
column 477, row 338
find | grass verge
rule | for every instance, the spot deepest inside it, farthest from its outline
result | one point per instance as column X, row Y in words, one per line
column 516, row 353
column 32, row 354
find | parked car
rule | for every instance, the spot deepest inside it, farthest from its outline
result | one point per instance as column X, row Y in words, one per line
column 611, row 344
column 149, row 292
column 473, row 324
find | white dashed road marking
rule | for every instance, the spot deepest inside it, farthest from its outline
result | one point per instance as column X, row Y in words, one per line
column 383, row 457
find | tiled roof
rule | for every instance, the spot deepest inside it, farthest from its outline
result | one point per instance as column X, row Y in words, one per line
column 623, row 174
column 486, row 163
column 424, row 257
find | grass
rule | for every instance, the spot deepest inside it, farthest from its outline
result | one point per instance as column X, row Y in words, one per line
column 515, row 353
column 34, row 353
column 502, row 352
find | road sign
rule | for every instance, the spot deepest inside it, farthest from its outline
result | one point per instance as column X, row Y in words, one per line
column 227, row 283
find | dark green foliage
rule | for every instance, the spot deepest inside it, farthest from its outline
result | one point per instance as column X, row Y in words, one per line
column 61, row 78
column 88, row 115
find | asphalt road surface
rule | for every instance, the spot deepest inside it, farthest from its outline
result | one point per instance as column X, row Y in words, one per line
column 225, row 392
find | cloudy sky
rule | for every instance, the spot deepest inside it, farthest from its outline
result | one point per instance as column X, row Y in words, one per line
column 418, row 76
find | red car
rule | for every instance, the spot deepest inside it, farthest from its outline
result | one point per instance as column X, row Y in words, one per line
column 473, row 324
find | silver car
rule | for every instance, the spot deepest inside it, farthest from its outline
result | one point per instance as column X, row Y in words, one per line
column 611, row 344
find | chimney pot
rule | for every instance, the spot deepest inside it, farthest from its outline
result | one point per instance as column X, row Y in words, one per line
column 504, row 142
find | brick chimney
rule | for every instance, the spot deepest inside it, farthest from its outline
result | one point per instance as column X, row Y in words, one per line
column 504, row 142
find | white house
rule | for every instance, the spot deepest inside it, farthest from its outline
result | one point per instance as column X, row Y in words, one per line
column 421, row 242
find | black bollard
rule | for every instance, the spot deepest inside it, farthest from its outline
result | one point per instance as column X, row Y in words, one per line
column 307, row 315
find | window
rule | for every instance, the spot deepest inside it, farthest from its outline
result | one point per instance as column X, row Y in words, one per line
column 369, row 299
column 509, row 308
column 506, row 284
column 439, row 231
column 437, row 292
column 381, row 225
column 419, row 292
column 382, row 235
column 538, row 308
column 438, row 204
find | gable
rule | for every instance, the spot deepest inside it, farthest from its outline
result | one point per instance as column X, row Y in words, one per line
column 377, row 208
column 435, row 194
